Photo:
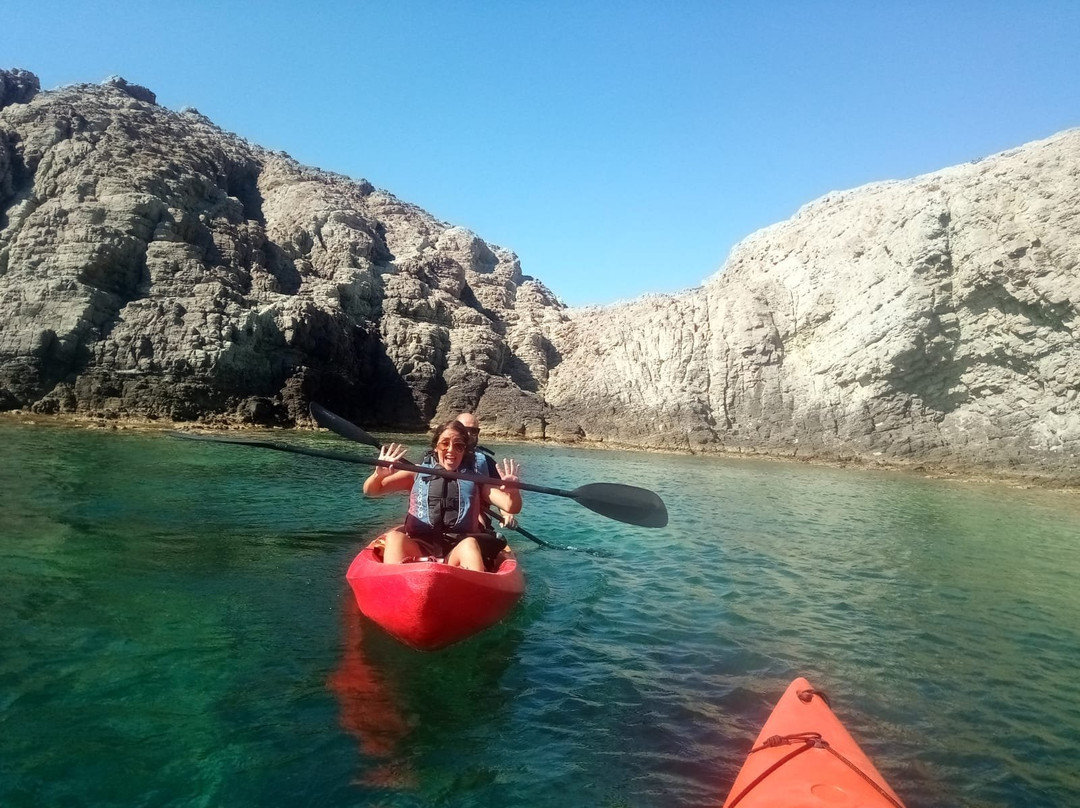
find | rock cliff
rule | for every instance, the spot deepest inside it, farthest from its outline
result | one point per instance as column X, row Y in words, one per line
column 154, row 266
column 931, row 320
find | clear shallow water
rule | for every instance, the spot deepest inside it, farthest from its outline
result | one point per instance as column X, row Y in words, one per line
column 175, row 630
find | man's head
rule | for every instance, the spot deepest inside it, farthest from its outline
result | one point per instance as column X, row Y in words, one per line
column 472, row 426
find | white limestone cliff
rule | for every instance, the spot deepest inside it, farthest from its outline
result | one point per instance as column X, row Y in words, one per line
column 929, row 320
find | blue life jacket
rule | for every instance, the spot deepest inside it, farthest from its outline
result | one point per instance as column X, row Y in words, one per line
column 485, row 464
column 440, row 505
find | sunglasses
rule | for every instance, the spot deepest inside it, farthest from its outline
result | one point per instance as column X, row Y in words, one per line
column 446, row 445
column 472, row 430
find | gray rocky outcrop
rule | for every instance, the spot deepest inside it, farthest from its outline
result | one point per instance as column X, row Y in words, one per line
column 932, row 320
column 154, row 266
column 17, row 87
column 136, row 91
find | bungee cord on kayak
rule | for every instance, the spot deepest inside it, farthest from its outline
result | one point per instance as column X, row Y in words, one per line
column 810, row 740
column 806, row 694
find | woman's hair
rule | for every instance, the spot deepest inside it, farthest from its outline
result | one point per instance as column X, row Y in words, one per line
column 454, row 426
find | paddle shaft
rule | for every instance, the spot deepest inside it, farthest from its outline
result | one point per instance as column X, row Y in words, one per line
column 400, row 465
column 350, row 431
column 624, row 503
column 537, row 540
column 496, row 518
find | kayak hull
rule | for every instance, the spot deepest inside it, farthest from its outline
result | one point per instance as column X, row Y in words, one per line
column 428, row 605
column 815, row 777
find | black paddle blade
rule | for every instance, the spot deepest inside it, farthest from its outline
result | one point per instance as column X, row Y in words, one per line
column 335, row 423
column 624, row 503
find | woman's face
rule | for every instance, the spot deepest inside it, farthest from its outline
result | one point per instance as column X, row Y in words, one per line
column 450, row 449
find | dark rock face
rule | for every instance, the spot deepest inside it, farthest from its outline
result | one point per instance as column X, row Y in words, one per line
column 136, row 91
column 17, row 87
column 154, row 266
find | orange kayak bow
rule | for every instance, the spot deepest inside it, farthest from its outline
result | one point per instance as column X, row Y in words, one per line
column 804, row 758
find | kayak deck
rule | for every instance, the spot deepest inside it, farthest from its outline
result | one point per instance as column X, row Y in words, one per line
column 805, row 758
column 429, row 605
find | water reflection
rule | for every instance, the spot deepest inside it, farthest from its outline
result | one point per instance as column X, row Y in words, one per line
column 402, row 705
column 370, row 709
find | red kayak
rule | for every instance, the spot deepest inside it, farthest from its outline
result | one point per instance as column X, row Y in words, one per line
column 429, row 605
column 804, row 758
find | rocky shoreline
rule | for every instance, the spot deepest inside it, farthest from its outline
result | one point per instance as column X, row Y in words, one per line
column 1068, row 484
column 156, row 268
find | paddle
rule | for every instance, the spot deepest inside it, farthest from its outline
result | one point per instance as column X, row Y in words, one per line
column 335, row 423
column 623, row 503
column 531, row 537
column 350, row 431
column 285, row 447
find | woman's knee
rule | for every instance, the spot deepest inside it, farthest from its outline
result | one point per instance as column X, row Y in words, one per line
column 467, row 554
column 396, row 546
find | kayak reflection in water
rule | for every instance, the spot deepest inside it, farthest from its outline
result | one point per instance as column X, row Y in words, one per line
column 371, row 711
column 444, row 516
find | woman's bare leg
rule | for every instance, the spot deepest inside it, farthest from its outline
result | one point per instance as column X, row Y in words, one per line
column 398, row 546
column 466, row 554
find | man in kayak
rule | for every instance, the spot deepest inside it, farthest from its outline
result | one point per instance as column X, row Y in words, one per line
column 485, row 463
column 444, row 514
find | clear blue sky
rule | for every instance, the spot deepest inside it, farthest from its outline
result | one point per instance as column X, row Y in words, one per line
column 618, row 148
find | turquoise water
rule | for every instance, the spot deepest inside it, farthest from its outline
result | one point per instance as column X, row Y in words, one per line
column 175, row 630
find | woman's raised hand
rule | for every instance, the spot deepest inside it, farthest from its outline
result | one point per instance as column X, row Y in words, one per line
column 509, row 469
column 391, row 452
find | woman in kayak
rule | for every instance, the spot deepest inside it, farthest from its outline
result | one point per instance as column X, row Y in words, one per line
column 444, row 514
